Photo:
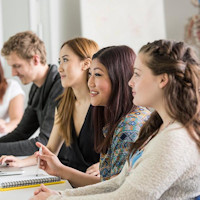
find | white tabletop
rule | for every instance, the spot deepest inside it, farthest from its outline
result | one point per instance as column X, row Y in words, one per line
column 2, row 134
column 25, row 194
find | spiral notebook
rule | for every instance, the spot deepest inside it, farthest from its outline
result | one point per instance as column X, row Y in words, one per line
column 20, row 182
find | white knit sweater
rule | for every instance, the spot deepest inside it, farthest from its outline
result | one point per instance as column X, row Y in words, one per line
column 168, row 169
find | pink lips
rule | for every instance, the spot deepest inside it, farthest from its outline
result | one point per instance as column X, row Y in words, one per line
column 62, row 76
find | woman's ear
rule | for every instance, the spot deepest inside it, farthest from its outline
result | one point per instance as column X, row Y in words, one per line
column 86, row 64
column 164, row 78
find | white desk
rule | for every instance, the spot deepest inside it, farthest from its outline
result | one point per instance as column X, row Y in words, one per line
column 25, row 194
column 2, row 134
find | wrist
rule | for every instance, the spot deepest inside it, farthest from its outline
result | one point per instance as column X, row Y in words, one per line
column 64, row 172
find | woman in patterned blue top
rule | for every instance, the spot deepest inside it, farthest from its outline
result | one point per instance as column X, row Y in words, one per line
column 114, row 112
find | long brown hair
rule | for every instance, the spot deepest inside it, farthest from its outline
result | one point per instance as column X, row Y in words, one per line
column 182, row 92
column 119, row 61
column 83, row 48
column 3, row 83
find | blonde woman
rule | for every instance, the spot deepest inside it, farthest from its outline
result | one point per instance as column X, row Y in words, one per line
column 73, row 124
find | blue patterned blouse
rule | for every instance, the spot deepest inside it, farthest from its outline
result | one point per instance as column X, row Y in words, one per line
column 126, row 132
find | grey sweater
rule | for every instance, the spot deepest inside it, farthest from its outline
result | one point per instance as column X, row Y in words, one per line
column 169, row 169
column 38, row 114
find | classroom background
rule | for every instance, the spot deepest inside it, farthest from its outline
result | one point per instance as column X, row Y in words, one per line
column 112, row 22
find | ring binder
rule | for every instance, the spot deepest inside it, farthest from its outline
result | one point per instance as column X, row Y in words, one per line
column 20, row 182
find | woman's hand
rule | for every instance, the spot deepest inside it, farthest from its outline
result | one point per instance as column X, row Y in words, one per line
column 12, row 161
column 93, row 170
column 49, row 161
column 43, row 193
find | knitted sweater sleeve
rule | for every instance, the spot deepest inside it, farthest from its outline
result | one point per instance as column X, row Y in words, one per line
column 91, row 190
column 164, row 160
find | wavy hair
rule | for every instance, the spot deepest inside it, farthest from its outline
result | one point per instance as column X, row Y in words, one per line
column 182, row 92
column 25, row 44
column 119, row 61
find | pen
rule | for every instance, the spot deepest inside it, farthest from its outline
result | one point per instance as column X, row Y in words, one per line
column 38, row 163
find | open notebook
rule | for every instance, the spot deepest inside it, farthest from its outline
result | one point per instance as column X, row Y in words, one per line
column 26, row 181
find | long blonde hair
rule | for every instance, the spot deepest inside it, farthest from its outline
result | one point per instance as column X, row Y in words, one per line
column 83, row 48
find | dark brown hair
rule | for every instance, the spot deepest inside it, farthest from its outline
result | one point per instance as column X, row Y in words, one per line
column 3, row 83
column 119, row 61
column 182, row 94
column 83, row 48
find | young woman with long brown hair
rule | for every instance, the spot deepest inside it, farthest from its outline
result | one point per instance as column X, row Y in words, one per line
column 73, row 123
column 166, row 78
column 116, row 120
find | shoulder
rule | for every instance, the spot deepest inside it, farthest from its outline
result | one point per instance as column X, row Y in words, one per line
column 176, row 132
column 53, row 74
column 175, row 140
column 135, row 118
column 12, row 82
column 52, row 86
column 129, row 126
column 173, row 147
column 53, row 79
column 140, row 113
column 14, row 88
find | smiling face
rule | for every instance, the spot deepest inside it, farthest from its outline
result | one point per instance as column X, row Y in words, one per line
column 99, row 84
column 146, row 87
column 70, row 68
column 26, row 71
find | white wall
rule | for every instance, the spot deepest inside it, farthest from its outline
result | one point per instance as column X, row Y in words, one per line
column 1, row 29
column 129, row 22
column 109, row 22
column 64, row 24
column 14, row 17
column 54, row 21
column 177, row 13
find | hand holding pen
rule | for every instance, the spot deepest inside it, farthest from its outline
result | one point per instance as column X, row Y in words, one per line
column 49, row 162
column 38, row 161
